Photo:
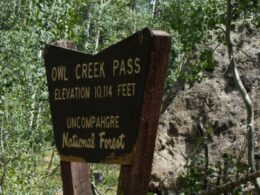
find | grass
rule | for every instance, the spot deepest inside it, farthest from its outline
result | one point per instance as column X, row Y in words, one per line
column 39, row 173
column 106, row 185
column 110, row 173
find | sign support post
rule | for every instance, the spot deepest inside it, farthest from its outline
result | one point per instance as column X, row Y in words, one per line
column 134, row 179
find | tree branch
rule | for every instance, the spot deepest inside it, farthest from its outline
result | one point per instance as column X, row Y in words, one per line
column 243, row 92
column 228, row 187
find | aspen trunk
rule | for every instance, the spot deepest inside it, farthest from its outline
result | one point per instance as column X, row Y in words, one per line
column 38, row 118
column 32, row 113
column 154, row 8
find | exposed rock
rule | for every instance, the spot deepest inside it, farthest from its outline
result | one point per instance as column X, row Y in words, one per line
column 217, row 105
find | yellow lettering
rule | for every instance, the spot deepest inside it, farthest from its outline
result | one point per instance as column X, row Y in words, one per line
column 126, row 89
column 54, row 74
column 89, row 122
column 103, row 91
column 122, row 70
column 77, row 71
column 74, row 141
column 84, row 71
column 137, row 66
column 90, row 70
column 111, row 143
column 95, row 71
column 72, row 93
column 130, row 66
column 124, row 67
column 102, row 71
column 59, row 73
column 115, row 66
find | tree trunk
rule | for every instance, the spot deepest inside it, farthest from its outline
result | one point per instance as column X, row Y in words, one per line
column 154, row 8
column 38, row 118
column 33, row 107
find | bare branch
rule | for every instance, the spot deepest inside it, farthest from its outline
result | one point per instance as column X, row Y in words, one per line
column 228, row 187
column 244, row 94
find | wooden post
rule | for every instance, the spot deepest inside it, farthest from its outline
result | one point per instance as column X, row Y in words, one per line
column 134, row 179
column 75, row 178
column 75, row 175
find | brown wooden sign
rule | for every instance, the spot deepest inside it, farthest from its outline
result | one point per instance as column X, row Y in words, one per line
column 96, row 100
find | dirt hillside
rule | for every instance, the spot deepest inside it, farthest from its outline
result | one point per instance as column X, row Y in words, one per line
column 214, row 104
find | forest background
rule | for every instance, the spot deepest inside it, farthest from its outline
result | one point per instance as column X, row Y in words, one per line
column 28, row 162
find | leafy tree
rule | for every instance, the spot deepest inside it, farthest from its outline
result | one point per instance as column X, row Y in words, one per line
column 25, row 27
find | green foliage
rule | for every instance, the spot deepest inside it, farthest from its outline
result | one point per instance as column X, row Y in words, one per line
column 192, row 19
column 197, row 178
column 190, row 23
column 26, row 137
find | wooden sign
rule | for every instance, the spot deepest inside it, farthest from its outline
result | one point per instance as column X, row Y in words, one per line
column 96, row 100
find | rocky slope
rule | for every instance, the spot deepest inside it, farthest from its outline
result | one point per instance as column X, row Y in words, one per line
column 214, row 104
